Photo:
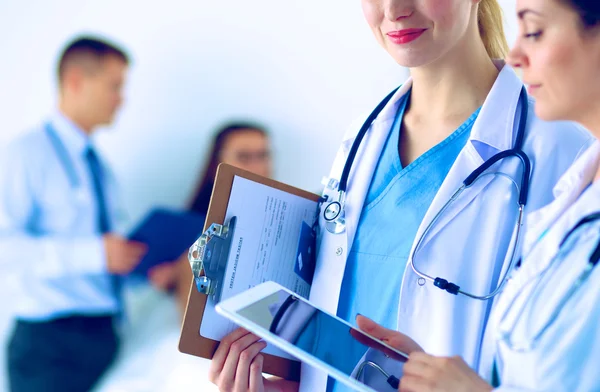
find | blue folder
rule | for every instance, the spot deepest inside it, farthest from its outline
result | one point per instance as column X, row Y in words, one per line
column 168, row 234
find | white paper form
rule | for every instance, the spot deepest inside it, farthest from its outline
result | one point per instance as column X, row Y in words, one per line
column 264, row 246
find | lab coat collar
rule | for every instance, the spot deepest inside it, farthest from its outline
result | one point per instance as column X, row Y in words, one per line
column 495, row 124
column 580, row 174
column 492, row 132
column 74, row 139
column 566, row 192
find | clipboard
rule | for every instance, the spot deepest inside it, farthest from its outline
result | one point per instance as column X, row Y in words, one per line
column 191, row 342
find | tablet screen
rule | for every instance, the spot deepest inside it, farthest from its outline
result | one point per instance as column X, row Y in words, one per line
column 319, row 334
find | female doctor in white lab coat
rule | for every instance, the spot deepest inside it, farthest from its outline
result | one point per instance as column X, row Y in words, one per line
column 458, row 109
column 546, row 322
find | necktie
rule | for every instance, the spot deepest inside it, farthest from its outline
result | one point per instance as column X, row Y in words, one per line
column 495, row 381
column 103, row 217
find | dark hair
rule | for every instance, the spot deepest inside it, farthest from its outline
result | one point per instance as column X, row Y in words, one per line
column 201, row 198
column 588, row 10
column 88, row 49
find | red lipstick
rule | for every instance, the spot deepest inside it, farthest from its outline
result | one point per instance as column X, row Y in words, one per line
column 405, row 36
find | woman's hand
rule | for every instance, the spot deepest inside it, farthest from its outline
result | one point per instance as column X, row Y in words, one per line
column 392, row 338
column 426, row 373
column 237, row 366
column 423, row 372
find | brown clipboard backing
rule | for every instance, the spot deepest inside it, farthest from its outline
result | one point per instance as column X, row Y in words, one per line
column 191, row 342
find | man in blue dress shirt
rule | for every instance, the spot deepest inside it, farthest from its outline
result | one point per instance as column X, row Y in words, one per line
column 58, row 214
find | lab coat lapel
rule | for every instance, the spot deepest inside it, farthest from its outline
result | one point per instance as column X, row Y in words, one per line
column 366, row 161
column 566, row 192
column 465, row 163
column 335, row 248
column 552, row 223
column 493, row 131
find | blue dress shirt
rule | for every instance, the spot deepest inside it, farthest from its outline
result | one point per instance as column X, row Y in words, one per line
column 49, row 234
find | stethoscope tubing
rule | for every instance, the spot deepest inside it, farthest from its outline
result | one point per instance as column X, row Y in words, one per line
column 334, row 210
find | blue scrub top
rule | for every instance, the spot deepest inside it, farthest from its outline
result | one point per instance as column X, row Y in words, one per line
column 396, row 203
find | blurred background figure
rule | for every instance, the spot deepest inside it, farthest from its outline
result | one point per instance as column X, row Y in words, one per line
column 245, row 145
column 58, row 214
column 241, row 144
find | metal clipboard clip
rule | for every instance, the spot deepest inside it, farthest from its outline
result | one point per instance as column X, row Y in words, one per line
column 208, row 257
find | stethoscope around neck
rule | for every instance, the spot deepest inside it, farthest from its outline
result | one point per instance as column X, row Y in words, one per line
column 334, row 211
column 65, row 161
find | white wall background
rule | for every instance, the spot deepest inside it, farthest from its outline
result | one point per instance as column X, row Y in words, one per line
column 305, row 68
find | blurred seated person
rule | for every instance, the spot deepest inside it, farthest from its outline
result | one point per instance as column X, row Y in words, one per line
column 241, row 144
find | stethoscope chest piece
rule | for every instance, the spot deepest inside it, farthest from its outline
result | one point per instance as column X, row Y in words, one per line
column 334, row 218
column 337, row 226
column 332, row 211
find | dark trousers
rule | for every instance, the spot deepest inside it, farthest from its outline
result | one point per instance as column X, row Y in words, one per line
column 67, row 355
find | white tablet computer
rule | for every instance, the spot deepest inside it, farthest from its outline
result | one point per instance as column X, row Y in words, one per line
column 299, row 328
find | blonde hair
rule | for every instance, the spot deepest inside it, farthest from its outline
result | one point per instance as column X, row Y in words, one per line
column 491, row 28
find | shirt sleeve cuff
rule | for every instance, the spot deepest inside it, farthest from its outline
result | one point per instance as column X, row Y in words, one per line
column 91, row 256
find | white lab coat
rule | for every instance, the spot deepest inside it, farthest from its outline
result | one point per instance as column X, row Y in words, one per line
column 469, row 243
column 567, row 356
